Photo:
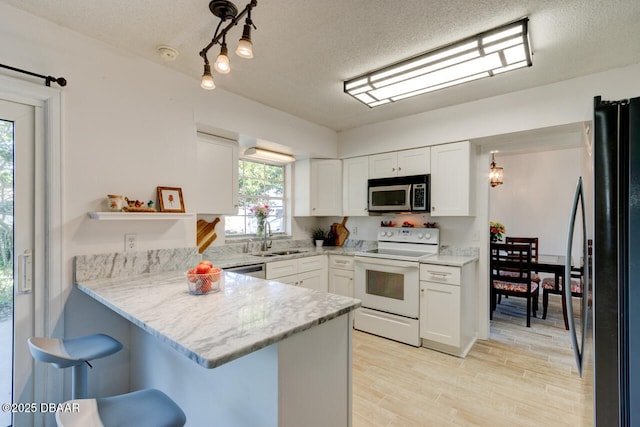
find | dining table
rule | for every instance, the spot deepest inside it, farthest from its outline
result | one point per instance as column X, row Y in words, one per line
column 553, row 264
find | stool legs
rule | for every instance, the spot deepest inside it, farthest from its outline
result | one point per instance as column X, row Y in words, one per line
column 79, row 381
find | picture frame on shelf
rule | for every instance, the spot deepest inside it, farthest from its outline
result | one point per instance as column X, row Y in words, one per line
column 170, row 199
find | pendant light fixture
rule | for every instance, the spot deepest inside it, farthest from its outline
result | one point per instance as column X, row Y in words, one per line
column 495, row 172
column 225, row 10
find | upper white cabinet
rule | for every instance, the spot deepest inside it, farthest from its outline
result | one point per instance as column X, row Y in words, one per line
column 451, row 193
column 416, row 161
column 355, row 173
column 317, row 187
column 217, row 161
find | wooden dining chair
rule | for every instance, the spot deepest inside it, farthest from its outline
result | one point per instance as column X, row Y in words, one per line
column 552, row 286
column 533, row 243
column 511, row 276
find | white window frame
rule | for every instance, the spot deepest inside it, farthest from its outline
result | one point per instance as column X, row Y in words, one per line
column 286, row 208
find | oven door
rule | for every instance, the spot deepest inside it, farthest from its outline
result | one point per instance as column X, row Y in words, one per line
column 390, row 198
column 388, row 285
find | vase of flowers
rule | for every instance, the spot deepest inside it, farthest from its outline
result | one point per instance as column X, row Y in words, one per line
column 496, row 229
column 260, row 212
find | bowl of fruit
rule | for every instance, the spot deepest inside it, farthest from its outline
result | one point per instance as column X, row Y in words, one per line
column 203, row 278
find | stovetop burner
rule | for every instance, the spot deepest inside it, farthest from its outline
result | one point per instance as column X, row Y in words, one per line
column 410, row 244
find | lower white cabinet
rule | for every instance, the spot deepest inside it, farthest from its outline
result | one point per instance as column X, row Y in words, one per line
column 308, row 272
column 447, row 309
column 341, row 275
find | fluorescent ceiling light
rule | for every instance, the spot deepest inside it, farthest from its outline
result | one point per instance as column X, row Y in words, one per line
column 492, row 52
column 267, row 155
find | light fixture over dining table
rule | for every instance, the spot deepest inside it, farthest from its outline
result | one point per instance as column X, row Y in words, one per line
column 225, row 10
column 495, row 173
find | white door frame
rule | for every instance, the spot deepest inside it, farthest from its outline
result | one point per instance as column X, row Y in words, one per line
column 51, row 305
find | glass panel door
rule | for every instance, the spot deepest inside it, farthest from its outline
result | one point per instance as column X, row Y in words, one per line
column 16, row 242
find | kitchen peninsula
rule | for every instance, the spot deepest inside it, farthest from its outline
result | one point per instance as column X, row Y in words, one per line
column 255, row 353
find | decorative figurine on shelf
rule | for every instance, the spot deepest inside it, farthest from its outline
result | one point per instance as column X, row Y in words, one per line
column 430, row 225
column 138, row 206
column 150, row 204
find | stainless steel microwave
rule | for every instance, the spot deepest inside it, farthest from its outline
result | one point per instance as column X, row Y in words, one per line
column 399, row 194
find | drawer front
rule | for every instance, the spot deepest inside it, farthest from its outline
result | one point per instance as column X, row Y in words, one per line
column 341, row 262
column 440, row 273
column 311, row 263
column 282, row 268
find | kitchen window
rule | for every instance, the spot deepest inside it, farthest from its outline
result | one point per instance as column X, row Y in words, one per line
column 259, row 184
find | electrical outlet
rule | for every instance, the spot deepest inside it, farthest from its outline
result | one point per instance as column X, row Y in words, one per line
column 355, row 231
column 130, row 242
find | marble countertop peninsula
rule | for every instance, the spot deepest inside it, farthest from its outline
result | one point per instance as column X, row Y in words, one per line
column 247, row 314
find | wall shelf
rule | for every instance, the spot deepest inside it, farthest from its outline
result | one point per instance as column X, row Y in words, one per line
column 125, row 216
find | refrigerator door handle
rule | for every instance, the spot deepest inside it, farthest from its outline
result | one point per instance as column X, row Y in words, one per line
column 578, row 351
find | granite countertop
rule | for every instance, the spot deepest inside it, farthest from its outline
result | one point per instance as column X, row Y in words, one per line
column 247, row 314
column 453, row 260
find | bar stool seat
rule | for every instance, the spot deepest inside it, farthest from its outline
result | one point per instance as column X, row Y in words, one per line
column 144, row 408
column 75, row 353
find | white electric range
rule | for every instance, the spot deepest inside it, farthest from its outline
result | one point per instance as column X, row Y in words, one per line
column 387, row 282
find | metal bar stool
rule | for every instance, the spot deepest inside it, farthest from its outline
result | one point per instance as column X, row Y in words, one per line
column 74, row 353
column 144, row 408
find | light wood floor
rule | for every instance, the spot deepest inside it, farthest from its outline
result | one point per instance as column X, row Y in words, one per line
column 519, row 377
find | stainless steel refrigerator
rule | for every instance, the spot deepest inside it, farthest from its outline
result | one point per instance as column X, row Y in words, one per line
column 616, row 257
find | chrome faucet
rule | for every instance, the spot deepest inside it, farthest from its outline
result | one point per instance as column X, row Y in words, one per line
column 266, row 244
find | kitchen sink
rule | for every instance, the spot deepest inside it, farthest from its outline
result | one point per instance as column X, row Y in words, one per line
column 288, row 252
column 278, row 253
column 263, row 254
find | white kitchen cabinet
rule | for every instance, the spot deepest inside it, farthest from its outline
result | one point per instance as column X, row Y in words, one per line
column 416, row 161
column 451, row 171
column 355, row 174
column 317, row 187
column 447, row 319
column 217, row 163
column 308, row 272
column 341, row 275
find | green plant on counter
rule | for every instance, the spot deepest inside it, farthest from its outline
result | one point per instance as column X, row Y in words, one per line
column 318, row 234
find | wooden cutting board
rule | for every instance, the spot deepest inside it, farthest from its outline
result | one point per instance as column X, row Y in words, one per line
column 206, row 233
column 340, row 231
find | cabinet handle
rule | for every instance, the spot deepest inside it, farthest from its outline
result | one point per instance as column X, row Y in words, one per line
column 313, row 209
column 433, row 208
column 399, row 168
column 393, row 169
column 422, row 290
column 439, row 274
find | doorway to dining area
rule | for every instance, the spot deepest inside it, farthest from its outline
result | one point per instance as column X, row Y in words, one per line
column 540, row 174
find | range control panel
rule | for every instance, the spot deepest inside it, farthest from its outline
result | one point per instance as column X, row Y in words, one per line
column 409, row 235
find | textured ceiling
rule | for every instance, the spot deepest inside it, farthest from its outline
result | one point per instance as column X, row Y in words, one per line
column 304, row 49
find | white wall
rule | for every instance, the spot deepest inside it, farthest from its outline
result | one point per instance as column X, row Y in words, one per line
column 536, row 197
